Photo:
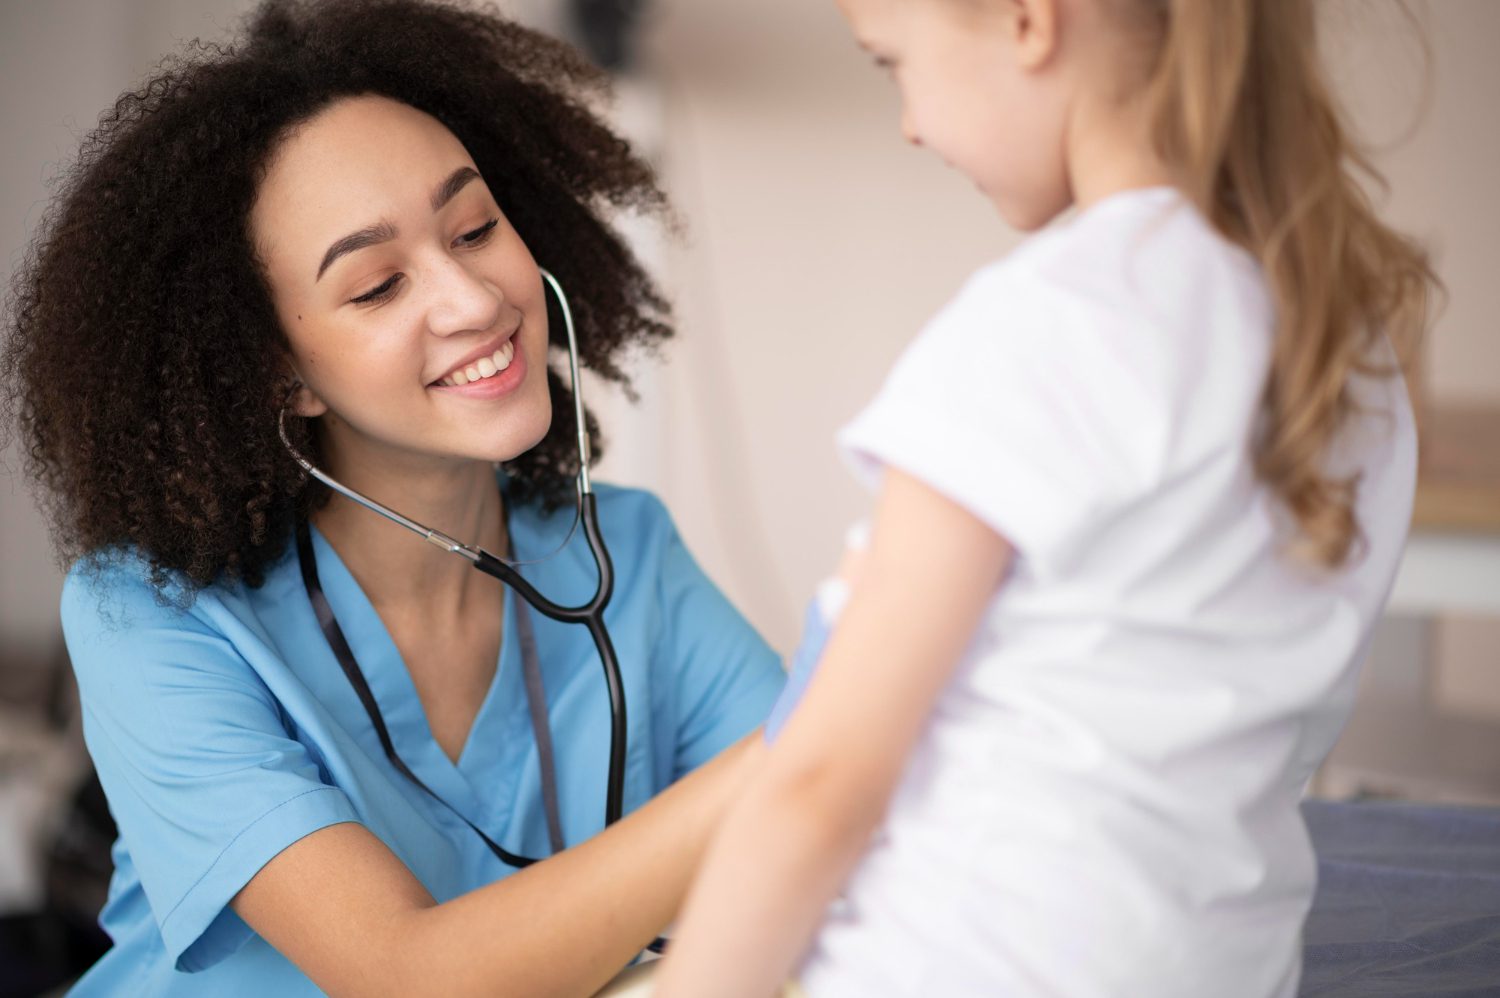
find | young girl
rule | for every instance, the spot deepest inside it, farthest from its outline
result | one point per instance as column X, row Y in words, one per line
column 1142, row 490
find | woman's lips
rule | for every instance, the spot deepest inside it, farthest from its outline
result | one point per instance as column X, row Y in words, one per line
column 495, row 386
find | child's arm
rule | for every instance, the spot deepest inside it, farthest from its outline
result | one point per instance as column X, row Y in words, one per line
column 787, row 846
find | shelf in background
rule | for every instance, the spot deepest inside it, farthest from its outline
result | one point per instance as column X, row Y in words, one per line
column 1458, row 478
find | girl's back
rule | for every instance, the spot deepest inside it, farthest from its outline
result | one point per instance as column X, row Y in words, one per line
column 1104, row 799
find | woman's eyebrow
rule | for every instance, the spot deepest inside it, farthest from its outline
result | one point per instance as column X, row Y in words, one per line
column 368, row 236
column 382, row 231
column 455, row 183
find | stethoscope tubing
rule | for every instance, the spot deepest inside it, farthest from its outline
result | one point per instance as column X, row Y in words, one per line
column 589, row 613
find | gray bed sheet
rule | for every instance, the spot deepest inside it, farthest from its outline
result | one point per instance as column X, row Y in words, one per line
column 1408, row 901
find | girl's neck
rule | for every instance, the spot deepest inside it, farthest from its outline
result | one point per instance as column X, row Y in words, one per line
column 1109, row 150
column 396, row 570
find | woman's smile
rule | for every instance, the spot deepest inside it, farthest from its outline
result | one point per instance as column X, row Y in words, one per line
column 485, row 367
column 483, row 361
column 506, row 367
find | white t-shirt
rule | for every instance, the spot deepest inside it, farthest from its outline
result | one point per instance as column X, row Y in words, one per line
column 1104, row 802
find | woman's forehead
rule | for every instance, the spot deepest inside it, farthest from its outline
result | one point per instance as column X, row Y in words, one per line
column 357, row 162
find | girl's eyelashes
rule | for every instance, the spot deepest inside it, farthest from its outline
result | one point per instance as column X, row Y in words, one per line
column 475, row 237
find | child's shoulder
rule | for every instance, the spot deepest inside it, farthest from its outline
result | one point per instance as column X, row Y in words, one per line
column 1135, row 239
column 1143, row 260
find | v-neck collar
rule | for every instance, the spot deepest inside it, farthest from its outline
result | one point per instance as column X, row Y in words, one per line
column 494, row 763
column 503, row 712
column 500, row 718
column 499, row 749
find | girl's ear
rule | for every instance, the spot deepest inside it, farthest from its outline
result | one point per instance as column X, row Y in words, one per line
column 1033, row 30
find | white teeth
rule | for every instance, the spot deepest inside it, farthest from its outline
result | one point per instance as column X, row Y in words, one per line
column 484, row 367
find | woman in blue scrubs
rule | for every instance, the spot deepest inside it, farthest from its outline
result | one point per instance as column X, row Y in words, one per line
column 343, row 216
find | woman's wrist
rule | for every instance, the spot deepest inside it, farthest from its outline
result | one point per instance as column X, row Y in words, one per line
column 700, row 800
column 739, row 763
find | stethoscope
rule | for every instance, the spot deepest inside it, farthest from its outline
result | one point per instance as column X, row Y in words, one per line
column 590, row 613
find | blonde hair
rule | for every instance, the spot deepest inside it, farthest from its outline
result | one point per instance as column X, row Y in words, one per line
column 1240, row 107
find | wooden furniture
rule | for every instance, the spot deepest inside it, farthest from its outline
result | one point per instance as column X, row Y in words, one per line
column 1400, row 742
column 1452, row 562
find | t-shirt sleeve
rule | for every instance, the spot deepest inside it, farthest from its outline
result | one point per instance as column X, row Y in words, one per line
column 815, row 633
column 1022, row 406
column 726, row 677
column 202, row 776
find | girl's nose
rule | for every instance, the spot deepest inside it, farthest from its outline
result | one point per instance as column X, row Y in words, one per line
column 909, row 128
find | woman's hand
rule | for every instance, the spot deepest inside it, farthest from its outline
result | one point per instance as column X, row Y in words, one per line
column 343, row 908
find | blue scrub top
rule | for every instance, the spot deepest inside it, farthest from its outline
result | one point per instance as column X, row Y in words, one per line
column 225, row 732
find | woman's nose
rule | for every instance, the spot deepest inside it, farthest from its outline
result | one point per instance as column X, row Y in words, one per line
column 461, row 300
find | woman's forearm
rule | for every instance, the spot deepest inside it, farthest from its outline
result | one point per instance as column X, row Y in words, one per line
column 345, row 909
column 567, row 925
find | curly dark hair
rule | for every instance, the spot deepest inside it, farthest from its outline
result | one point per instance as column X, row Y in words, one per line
column 146, row 366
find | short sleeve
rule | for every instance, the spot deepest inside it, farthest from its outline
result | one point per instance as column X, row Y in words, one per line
column 1030, row 410
column 202, row 777
column 809, row 650
column 726, row 676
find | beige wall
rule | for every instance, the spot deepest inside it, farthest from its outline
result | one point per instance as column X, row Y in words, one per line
column 817, row 245
column 1438, row 141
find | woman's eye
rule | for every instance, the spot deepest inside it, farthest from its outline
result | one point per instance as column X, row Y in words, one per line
column 381, row 293
column 480, row 234
column 473, row 238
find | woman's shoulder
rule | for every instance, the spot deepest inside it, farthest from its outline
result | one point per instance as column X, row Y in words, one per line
column 629, row 500
column 117, row 612
column 131, row 628
column 637, row 528
column 114, row 583
column 636, row 511
column 111, row 592
column 644, row 539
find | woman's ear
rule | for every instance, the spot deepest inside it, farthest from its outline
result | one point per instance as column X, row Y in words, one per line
column 304, row 401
